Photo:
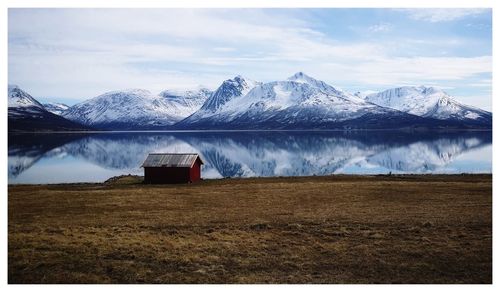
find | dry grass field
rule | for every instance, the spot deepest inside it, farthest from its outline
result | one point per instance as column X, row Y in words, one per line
column 337, row 229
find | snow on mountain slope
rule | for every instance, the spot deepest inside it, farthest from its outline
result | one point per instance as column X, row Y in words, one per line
column 301, row 89
column 300, row 77
column 230, row 89
column 20, row 98
column 128, row 109
column 56, row 108
column 216, row 103
column 300, row 101
column 137, row 108
column 27, row 114
column 428, row 102
column 298, row 90
column 185, row 103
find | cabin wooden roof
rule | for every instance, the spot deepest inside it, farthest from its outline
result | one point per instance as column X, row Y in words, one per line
column 171, row 160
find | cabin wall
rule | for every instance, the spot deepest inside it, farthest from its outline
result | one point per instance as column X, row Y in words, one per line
column 159, row 175
column 195, row 172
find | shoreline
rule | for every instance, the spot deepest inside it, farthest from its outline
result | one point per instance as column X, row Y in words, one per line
column 137, row 179
column 257, row 130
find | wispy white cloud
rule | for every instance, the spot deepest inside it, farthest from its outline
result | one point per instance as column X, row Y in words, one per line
column 392, row 70
column 380, row 27
column 442, row 14
column 81, row 53
column 481, row 83
column 108, row 46
column 224, row 49
column 480, row 101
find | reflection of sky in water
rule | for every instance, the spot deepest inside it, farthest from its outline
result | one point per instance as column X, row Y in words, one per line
column 69, row 169
column 95, row 158
column 475, row 161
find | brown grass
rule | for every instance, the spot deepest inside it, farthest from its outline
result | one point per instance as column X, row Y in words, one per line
column 341, row 229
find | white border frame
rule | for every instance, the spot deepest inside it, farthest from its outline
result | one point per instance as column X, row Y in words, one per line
column 235, row 4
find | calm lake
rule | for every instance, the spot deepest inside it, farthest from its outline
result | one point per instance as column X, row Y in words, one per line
column 77, row 157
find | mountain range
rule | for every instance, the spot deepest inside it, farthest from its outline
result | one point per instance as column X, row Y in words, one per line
column 27, row 114
column 299, row 102
column 429, row 102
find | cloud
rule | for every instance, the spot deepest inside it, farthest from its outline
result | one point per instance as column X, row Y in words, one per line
column 80, row 53
column 224, row 49
column 425, row 68
column 380, row 27
column 442, row 14
column 480, row 101
column 156, row 48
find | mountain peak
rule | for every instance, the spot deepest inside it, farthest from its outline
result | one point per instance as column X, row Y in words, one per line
column 137, row 91
column 426, row 102
column 20, row 98
column 425, row 90
column 125, row 94
column 301, row 77
column 240, row 80
column 13, row 86
column 229, row 89
column 430, row 89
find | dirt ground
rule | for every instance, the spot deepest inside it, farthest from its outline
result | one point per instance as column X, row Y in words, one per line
column 335, row 229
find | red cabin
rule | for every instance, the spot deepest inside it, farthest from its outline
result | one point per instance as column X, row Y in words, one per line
column 172, row 168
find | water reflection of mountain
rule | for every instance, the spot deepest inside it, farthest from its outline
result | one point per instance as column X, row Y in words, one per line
column 423, row 157
column 239, row 154
column 25, row 150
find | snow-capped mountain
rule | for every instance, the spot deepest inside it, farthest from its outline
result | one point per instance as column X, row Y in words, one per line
column 21, row 99
column 214, row 106
column 185, row 102
column 128, row 109
column 428, row 102
column 56, row 108
column 27, row 114
column 300, row 102
column 137, row 109
column 231, row 88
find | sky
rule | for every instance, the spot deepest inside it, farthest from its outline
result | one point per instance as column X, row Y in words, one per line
column 70, row 55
